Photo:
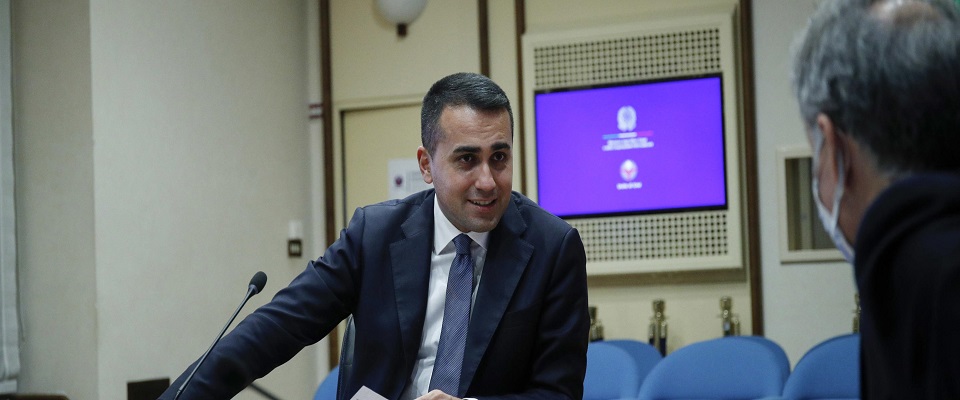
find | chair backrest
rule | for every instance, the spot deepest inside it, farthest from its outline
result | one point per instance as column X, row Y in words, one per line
column 346, row 351
column 829, row 370
column 611, row 374
column 724, row 368
column 328, row 388
column 781, row 356
column 644, row 354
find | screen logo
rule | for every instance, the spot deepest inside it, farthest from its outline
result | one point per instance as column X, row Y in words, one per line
column 628, row 138
column 626, row 119
column 628, row 171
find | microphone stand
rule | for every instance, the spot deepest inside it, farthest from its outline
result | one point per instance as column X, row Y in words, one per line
column 252, row 289
column 263, row 392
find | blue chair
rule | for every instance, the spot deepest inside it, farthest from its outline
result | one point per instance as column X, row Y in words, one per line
column 328, row 388
column 644, row 354
column 782, row 360
column 829, row 370
column 611, row 374
column 724, row 368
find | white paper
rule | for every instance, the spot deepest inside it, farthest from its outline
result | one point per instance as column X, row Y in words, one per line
column 403, row 178
column 366, row 393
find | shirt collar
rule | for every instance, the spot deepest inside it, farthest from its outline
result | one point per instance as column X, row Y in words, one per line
column 444, row 231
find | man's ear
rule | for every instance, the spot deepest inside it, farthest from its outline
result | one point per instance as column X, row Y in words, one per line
column 423, row 158
column 834, row 146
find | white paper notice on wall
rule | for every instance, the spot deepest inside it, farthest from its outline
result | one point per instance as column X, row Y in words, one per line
column 403, row 178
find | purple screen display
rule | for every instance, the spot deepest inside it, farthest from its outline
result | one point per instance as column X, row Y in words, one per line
column 631, row 149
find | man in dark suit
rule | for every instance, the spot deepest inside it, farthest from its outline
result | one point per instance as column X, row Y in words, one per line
column 464, row 290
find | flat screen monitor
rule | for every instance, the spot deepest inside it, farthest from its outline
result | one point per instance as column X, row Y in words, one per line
column 631, row 148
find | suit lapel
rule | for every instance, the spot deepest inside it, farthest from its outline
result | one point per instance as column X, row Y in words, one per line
column 410, row 258
column 507, row 258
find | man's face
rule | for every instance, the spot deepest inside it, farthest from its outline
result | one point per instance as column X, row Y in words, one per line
column 472, row 167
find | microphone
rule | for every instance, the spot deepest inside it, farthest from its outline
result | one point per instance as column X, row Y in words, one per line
column 256, row 285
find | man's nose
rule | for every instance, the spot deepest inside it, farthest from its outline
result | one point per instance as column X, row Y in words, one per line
column 485, row 178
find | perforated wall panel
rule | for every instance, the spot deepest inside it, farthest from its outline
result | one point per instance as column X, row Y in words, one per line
column 654, row 237
column 631, row 58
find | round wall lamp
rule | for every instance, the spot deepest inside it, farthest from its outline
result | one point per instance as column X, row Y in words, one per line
column 401, row 12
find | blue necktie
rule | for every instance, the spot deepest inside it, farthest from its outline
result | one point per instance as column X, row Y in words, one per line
column 456, row 318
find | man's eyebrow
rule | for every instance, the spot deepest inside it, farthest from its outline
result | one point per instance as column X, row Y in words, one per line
column 466, row 149
column 476, row 149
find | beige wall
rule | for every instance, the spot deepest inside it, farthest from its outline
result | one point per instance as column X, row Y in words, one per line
column 162, row 151
column 53, row 142
column 544, row 15
column 201, row 161
column 369, row 61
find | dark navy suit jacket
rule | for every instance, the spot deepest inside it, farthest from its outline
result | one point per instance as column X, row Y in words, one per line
column 528, row 333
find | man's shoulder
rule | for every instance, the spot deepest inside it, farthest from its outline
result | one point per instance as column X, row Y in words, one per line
column 923, row 203
column 915, row 222
column 533, row 214
column 392, row 213
column 412, row 201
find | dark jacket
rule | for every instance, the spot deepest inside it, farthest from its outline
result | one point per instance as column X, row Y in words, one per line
column 527, row 335
column 908, row 273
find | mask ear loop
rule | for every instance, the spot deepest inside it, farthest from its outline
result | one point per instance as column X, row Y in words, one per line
column 838, row 194
column 815, row 155
column 831, row 219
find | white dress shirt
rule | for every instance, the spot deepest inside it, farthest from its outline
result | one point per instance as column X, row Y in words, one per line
column 440, row 261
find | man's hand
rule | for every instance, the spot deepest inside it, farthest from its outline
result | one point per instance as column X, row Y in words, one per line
column 437, row 394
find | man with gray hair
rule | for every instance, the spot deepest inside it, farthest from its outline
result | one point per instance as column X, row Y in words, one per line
column 878, row 83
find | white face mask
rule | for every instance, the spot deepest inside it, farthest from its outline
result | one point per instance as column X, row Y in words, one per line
column 830, row 219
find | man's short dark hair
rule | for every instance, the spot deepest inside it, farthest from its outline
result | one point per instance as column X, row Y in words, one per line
column 460, row 89
column 892, row 82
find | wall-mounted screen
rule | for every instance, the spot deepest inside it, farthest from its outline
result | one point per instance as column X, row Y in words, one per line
column 632, row 148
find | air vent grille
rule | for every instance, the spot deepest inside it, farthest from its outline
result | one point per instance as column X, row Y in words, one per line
column 690, row 52
column 653, row 237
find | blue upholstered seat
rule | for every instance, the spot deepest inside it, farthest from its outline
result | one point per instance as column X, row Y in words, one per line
column 829, row 370
column 612, row 373
column 328, row 388
column 644, row 354
column 724, row 368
